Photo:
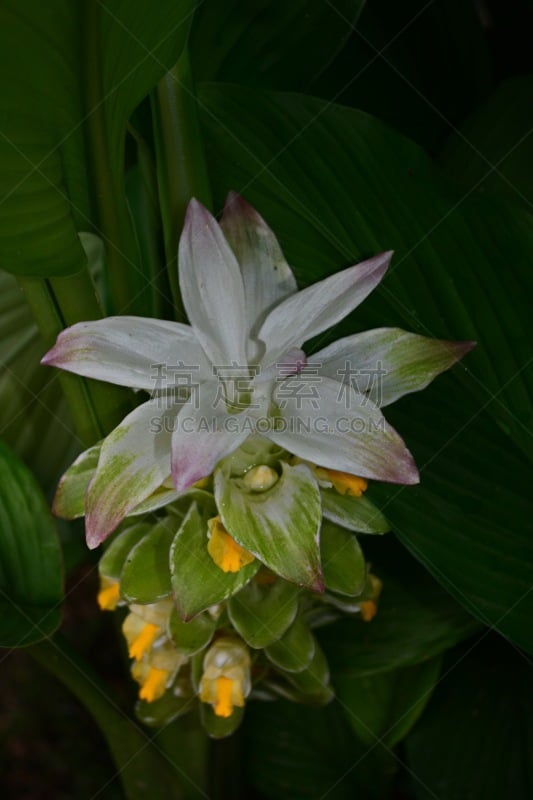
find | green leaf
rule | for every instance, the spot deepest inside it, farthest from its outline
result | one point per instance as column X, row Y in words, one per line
column 42, row 150
column 474, row 739
column 69, row 501
column 248, row 44
column 386, row 706
column 197, row 582
column 299, row 753
column 45, row 182
column 313, row 681
column 492, row 149
column 191, row 637
column 280, row 526
column 294, row 651
column 355, row 513
column 31, row 579
column 35, row 419
column 262, row 612
column 342, row 560
column 419, row 67
column 112, row 561
column 145, row 577
column 416, row 619
column 469, row 521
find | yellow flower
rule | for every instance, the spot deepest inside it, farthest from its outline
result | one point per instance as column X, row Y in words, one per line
column 343, row 482
column 108, row 597
column 225, row 680
column 157, row 670
column 224, row 550
column 144, row 625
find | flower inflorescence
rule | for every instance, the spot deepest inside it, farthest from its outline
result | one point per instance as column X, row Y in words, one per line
column 235, row 494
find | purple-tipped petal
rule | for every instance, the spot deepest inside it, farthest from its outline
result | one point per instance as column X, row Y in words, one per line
column 212, row 288
column 129, row 351
column 387, row 363
column 267, row 277
column 318, row 307
column 339, row 429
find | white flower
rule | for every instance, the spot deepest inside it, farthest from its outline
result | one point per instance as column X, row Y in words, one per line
column 246, row 319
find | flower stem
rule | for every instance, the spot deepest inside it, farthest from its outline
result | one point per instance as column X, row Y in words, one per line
column 143, row 767
column 106, row 157
column 181, row 165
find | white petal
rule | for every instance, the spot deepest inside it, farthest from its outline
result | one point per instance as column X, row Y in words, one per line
column 387, row 363
column 267, row 277
column 318, row 307
column 212, row 288
column 134, row 462
column 204, row 433
column 131, row 351
column 337, row 428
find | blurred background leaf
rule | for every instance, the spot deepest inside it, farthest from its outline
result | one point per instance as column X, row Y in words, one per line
column 492, row 148
column 60, row 73
column 35, row 420
column 271, row 45
column 299, row 753
column 387, row 705
column 474, row 741
column 416, row 65
column 31, row 573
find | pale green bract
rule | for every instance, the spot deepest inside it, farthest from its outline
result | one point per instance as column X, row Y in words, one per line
column 237, row 371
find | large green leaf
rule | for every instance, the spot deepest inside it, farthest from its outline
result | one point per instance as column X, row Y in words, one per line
column 385, row 706
column 41, row 148
column 470, row 519
column 460, row 271
column 474, row 740
column 76, row 71
column 31, row 579
column 418, row 66
column 492, row 150
column 293, row 752
column 276, row 45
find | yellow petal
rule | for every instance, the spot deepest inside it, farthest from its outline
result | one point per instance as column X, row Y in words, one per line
column 108, row 596
column 345, row 483
column 224, row 550
column 223, row 706
column 154, row 685
column 144, row 641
